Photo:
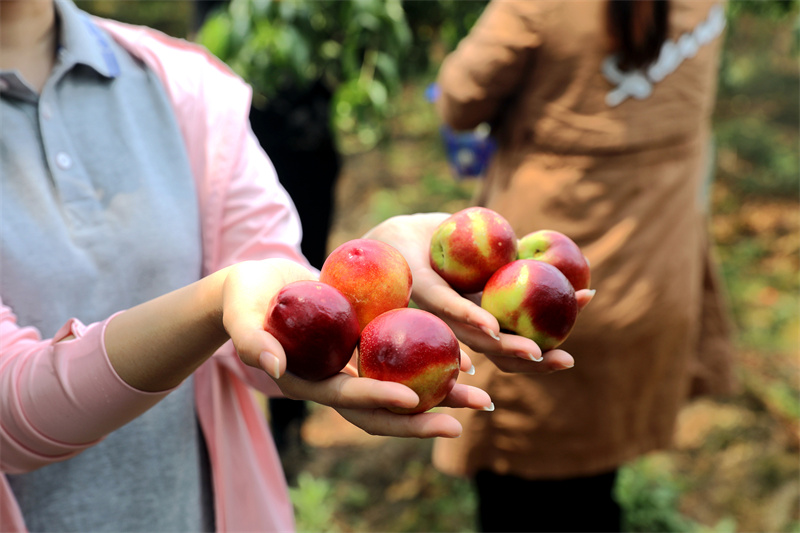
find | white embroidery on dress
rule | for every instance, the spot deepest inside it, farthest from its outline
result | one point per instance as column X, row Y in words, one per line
column 639, row 83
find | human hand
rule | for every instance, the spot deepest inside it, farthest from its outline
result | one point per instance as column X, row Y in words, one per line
column 246, row 294
column 364, row 402
column 155, row 345
column 247, row 291
column 473, row 325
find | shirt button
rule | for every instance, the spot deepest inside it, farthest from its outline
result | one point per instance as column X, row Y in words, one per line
column 47, row 111
column 63, row 160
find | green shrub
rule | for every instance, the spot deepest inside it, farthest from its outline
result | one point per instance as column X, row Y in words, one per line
column 649, row 499
column 355, row 48
column 314, row 504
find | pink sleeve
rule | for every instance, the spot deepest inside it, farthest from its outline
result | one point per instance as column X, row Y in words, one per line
column 246, row 213
column 59, row 397
column 258, row 221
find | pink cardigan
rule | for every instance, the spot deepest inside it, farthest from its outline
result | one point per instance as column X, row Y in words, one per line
column 60, row 398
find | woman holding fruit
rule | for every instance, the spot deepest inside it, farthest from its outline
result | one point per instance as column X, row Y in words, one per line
column 143, row 233
column 601, row 111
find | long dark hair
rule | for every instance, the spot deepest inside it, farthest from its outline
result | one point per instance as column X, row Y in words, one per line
column 637, row 29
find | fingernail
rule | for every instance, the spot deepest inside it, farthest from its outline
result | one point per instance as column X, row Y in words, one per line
column 270, row 364
column 530, row 357
column 471, row 371
column 490, row 408
column 491, row 333
column 593, row 292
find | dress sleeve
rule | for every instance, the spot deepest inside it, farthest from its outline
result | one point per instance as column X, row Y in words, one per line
column 488, row 64
column 60, row 395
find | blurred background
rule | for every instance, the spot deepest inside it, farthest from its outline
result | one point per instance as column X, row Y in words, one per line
column 349, row 80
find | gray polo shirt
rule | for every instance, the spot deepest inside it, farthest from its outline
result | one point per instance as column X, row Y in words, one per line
column 98, row 212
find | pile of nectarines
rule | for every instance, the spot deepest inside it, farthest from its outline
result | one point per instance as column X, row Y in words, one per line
column 528, row 284
column 361, row 302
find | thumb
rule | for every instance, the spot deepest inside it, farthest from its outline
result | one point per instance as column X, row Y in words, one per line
column 584, row 296
column 259, row 349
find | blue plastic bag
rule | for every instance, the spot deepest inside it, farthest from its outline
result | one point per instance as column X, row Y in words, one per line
column 468, row 152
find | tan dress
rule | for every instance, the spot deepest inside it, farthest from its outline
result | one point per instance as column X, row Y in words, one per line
column 623, row 175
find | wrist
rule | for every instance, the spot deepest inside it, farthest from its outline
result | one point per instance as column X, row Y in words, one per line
column 156, row 345
column 211, row 298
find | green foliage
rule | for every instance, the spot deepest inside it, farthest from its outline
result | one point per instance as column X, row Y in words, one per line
column 785, row 399
column 173, row 17
column 362, row 49
column 416, row 498
column 354, row 47
column 725, row 525
column 772, row 159
column 757, row 126
column 437, row 25
column 649, row 499
column 434, row 192
column 649, row 496
column 313, row 504
column 758, row 116
column 772, row 9
column 764, row 302
column 439, row 503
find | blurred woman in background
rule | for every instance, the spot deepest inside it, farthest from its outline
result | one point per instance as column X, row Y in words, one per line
column 602, row 115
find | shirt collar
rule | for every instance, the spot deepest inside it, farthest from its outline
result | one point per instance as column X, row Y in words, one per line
column 81, row 41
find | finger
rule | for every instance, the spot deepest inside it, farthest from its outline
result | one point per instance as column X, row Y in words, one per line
column 424, row 425
column 433, row 294
column 409, row 233
column 244, row 309
column 351, row 369
column 258, row 348
column 506, row 344
column 348, row 392
column 467, row 396
column 552, row 361
column 584, row 296
column 466, row 364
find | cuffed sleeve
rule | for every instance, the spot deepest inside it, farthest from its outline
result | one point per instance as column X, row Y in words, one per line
column 59, row 396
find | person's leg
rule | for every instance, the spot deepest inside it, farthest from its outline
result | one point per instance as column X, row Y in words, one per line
column 505, row 503
column 512, row 504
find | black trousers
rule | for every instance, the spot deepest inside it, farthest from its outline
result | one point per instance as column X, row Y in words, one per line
column 509, row 503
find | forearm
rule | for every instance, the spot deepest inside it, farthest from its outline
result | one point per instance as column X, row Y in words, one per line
column 488, row 65
column 156, row 345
